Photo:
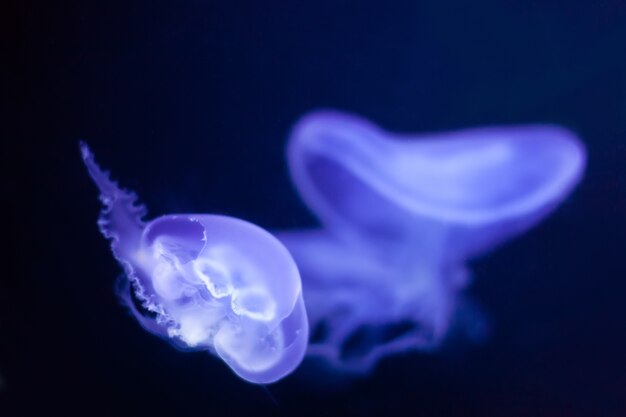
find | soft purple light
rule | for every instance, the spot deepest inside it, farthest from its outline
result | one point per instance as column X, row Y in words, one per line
column 401, row 214
column 209, row 282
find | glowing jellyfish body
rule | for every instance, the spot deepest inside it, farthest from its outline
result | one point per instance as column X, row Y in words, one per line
column 208, row 282
column 401, row 214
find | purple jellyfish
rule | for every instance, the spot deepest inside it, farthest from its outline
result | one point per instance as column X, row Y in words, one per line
column 401, row 215
column 207, row 282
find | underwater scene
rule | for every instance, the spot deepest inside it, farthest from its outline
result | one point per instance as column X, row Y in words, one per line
column 351, row 208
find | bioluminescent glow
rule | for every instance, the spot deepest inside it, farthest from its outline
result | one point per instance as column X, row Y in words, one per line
column 386, row 272
column 401, row 215
column 207, row 282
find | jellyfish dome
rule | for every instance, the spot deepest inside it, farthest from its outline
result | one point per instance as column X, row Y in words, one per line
column 400, row 216
column 208, row 282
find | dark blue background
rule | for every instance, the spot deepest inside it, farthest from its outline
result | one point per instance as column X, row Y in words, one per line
column 189, row 103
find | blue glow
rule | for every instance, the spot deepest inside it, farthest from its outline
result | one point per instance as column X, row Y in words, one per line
column 401, row 214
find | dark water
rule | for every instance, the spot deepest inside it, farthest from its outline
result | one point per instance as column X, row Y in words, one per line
column 189, row 103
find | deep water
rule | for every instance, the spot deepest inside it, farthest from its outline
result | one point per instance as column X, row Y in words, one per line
column 190, row 104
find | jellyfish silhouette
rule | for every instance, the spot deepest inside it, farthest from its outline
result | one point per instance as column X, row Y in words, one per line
column 207, row 282
column 401, row 214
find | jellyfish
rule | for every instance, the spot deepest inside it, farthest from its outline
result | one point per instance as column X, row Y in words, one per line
column 207, row 282
column 400, row 216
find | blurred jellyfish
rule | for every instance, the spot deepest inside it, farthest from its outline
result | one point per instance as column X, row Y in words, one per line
column 401, row 215
column 207, row 282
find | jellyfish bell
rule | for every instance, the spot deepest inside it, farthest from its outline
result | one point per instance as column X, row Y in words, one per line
column 230, row 286
column 402, row 213
column 481, row 185
column 208, row 282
